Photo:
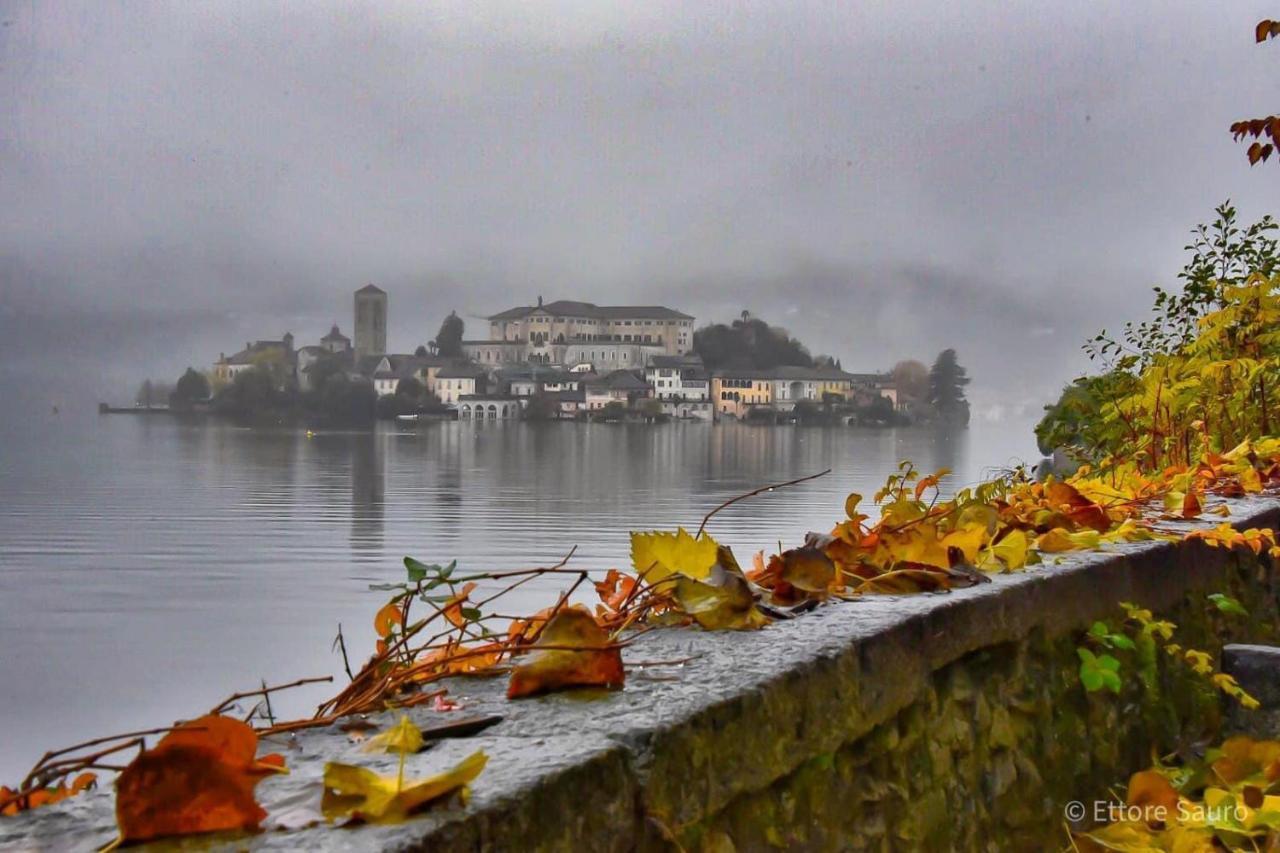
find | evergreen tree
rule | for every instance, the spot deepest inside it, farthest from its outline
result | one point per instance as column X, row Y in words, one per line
column 192, row 386
column 946, row 387
column 448, row 340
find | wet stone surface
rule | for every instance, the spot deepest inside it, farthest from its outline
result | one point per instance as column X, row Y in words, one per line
column 874, row 724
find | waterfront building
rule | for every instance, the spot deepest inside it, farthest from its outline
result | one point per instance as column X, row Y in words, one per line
column 481, row 407
column 620, row 386
column 389, row 370
column 736, row 391
column 681, row 385
column 459, row 380
column 371, row 321
column 278, row 356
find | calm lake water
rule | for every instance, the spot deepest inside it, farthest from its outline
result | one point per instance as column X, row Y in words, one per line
column 148, row 568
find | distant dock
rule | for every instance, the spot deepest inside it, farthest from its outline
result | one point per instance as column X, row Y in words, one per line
column 107, row 409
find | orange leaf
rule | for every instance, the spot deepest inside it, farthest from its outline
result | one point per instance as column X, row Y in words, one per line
column 199, row 778
column 572, row 651
column 1151, row 790
column 615, row 588
column 453, row 609
column 1191, row 505
column 387, row 618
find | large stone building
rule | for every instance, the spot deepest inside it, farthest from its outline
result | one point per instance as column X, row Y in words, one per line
column 610, row 337
column 371, row 321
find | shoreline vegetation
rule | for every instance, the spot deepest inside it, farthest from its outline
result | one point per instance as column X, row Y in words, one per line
column 269, row 393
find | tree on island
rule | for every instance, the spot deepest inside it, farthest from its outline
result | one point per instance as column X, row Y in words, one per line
column 946, row 388
column 348, row 401
column 192, row 387
column 749, row 342
column 145, row 396
column 911, row 378
column 448, row 340
column 252, row 393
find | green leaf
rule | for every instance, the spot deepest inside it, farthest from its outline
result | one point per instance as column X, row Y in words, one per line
column 1227, row 604
column 1120, row 641
column 471, row 614
column 417, row 571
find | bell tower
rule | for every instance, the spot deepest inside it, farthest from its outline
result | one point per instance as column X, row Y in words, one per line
column 370, row 321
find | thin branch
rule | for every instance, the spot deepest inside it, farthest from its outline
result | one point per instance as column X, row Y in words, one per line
column 751, row 494
column 264, row 690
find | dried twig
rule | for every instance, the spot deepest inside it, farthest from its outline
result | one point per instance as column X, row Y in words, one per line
column 265, row 690
column 753, row 493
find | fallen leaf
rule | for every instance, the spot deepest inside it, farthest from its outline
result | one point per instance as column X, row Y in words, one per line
column 200, row 777
column 403, row 737
column 724, row 601
column 579, row 655
column 359, row 794
column 658, row 554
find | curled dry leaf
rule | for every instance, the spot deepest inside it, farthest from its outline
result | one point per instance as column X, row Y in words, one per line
column 199, row 778
column 359, row 794
column 724, row 600
column 571, row 651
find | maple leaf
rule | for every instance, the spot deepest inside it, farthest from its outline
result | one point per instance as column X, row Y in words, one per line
column 571, row 651
column 359, row 794
column 657, row 555
column 199, row 778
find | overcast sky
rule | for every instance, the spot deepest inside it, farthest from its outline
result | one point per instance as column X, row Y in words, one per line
column 885, row 179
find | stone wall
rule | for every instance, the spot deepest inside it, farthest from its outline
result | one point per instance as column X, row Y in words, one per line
column 935, row 722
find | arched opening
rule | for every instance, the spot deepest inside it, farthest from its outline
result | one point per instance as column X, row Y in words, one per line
column 493, row 411
column 466, row 413
column 797, row 390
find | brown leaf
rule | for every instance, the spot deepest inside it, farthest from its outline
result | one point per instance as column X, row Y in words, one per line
column 198, row 778
column 571, row 651
column 808, row 568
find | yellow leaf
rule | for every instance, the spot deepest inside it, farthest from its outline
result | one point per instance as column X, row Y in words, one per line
column 1055, row 541
column 659, row 554
column 968, row 539
column 403, row 737
column 724, row 601
column 1012, row 549
column 360, row 794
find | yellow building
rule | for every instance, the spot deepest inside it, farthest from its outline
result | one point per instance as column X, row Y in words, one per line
column 736, row 392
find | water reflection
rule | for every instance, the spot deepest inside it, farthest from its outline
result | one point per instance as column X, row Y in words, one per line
column 154, row 565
